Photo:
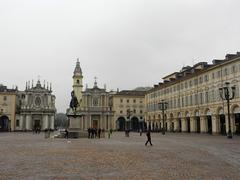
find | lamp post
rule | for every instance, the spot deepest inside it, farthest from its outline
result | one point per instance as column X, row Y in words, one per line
column 129, row 112
column 163, row 107
column 225, row 95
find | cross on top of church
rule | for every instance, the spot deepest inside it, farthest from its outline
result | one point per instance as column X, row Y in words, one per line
column 95, row 83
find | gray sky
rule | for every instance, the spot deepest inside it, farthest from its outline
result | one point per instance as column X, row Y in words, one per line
column 125, row 43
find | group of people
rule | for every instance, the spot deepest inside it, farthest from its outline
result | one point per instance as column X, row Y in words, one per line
column 37, row 130
column 95, row 133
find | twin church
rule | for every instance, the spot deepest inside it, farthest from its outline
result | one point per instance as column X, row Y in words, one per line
column 94, row 109
column 99, row 108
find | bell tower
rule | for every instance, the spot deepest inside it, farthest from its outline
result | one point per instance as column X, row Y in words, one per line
column 77, row 82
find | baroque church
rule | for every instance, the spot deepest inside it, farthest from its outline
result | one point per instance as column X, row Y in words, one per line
column 94, row 106
column 35, row 107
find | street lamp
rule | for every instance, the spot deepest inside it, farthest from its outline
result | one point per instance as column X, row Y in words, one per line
column 225, row 95
column 129, row 112
column 163, row 106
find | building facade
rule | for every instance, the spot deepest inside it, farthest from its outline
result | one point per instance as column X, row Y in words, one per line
column 129, row 109
column 99, row 108
column 7, row 108
column 193, row 97
column 94, row 110
column 36, row 108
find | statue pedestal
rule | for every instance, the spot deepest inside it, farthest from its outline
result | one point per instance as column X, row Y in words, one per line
column 74, row 128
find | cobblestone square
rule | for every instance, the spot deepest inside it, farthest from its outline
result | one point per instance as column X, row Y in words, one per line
column 173, row 156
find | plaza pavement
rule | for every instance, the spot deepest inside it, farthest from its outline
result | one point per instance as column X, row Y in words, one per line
column 173, row 156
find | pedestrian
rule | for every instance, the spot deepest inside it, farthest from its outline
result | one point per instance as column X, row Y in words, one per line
column 89, row 132
column 148, row 134
column 99, row 133
column 66, row 133
column 109, row 134
column 92, row 133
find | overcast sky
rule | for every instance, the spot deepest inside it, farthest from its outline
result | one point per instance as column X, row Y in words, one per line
column 125, row 43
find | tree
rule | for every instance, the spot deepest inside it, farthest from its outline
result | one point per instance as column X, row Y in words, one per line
column 61, row 120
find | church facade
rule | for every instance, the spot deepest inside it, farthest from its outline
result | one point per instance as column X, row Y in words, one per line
column 94, row 109
column 35, row 108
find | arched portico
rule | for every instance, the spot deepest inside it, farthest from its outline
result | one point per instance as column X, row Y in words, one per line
column 4, row 123
column 236, row 120
column 221, row 121
column 209, row 121
column 197, row 121
column 134, row 124
column 188, row 125
column 120, row 124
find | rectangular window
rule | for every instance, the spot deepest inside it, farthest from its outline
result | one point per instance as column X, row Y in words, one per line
column 190, row 83
column 225, row 71
column 213, row 75
column 206, row 78
column 134, row 101
column 200, row 80
column 196, row 99
column 191, row 101
column 195, row 82
column 127, row 100
column 206, row 97
column 233, row 69
column 121, row 100
column 201, row 98
column 186, row 100
column 5, row 98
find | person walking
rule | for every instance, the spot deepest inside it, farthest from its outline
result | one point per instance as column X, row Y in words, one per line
column 66, row 133
column 148, row 138
column 89, row 133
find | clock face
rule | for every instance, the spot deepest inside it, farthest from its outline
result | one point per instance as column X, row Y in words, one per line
column 38, row 101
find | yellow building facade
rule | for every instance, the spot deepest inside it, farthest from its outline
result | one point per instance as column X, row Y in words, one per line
column 194, row 101
column 128, row 108
column 7, row 109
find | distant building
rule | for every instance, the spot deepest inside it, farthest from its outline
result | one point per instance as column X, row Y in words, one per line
column 94, row 109
column 7, row 108
column 193, row 97
column 99, row 108
column 129, row 108
column 35, row 107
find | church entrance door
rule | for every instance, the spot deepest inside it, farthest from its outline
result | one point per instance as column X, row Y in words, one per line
column 95, row 123
column 37, row 124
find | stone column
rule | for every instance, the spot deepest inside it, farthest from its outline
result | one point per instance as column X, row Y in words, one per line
column 28, row 122
column 184, row 125
column 21, row 122
column 203, row 124
column 45, row 122
column 193, row 123
column 101, row 122
column 215, row 124
column 90, row 120
column 52, row 122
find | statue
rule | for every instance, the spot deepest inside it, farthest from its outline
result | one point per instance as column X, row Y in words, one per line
column 74, row 102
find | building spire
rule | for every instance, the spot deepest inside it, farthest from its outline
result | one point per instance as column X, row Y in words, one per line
column 78, row 70
column 95, row 82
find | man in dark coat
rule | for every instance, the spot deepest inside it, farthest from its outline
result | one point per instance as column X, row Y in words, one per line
column 148, row 138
